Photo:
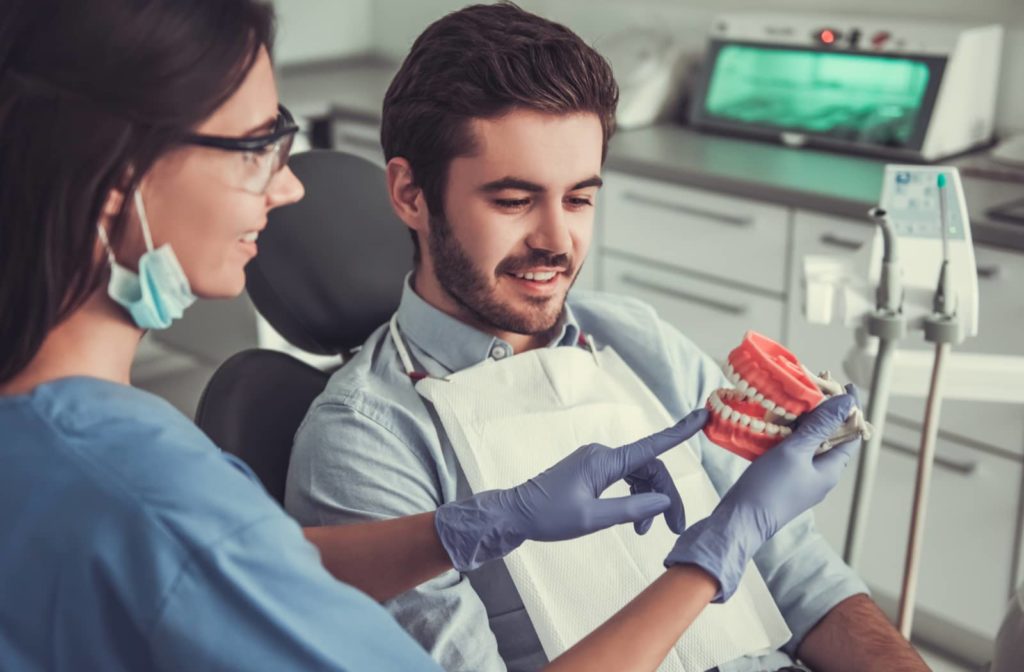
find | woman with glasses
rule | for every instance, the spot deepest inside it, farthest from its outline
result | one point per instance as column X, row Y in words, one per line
column 141, row 146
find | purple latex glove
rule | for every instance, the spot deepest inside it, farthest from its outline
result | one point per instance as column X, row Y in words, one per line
column 776, row 488
column 564, row 501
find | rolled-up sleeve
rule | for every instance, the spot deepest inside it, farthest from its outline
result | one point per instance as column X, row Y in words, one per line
column 347, row 467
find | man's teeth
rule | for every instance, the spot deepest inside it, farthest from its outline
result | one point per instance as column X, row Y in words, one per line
column 752, row 393
column 730, row 414
column 250, row 237
column 539, row 277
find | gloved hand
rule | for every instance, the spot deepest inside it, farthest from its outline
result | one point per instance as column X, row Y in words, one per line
column 564, row 501
column 775, row 488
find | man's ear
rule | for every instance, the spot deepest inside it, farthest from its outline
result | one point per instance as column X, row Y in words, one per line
column 407, row 199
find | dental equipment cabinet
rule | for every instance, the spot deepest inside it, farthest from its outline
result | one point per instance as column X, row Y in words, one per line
column 917, row 274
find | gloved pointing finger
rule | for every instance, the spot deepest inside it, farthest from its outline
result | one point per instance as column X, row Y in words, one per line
column 564, row 502
column 635, row 455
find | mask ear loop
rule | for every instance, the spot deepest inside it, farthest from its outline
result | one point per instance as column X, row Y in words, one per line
column 143, row 220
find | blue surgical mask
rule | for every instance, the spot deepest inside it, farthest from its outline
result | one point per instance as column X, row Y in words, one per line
column 159, row 293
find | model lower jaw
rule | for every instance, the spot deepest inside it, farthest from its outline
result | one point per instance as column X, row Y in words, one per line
column 772, row 389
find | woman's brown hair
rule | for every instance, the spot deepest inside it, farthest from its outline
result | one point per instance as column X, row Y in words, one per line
column 91, row 94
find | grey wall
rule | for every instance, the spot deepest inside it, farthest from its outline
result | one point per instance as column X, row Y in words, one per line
column 396, row 23
column 317, row 29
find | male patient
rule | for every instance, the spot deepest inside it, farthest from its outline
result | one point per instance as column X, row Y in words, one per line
column 495, row 131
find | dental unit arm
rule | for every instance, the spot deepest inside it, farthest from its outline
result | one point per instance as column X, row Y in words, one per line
column 921, row 262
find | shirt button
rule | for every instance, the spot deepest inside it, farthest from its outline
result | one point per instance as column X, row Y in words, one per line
column 499, row 352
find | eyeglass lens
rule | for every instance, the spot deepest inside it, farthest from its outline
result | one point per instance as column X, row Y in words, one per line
column 269, row 165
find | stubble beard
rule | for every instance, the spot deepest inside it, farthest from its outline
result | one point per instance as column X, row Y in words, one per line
column 470, row 288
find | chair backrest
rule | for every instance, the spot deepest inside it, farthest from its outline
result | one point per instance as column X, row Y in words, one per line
column 329, row 271
column 330, row 267
column 252, row 407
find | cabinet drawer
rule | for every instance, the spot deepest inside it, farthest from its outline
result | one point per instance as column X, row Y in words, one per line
column 1001, row 303
column 743, row 240
column 967, row 559
column 712, row 316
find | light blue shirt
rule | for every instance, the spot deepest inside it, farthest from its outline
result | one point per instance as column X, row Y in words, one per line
column 369, row 449
column 130, row 542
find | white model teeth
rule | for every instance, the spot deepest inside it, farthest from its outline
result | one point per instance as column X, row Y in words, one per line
column 750, row 392
column 539, row 277
column 250, row 237
column 729, row 414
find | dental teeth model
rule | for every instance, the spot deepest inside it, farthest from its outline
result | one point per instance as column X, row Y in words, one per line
column 771, row 390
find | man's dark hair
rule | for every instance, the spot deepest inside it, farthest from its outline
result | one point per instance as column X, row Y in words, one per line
column 91, row 95
column 481, row 62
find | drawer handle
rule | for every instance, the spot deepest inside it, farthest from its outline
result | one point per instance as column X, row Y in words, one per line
column 962, row 468
column 836, row 241
column 720, row 306
column 731, row 220
column 988, row 272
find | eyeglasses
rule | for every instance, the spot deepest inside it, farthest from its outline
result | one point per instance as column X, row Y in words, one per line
column 261, row 157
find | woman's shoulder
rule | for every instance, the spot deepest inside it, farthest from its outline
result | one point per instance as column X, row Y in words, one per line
column 133, row 452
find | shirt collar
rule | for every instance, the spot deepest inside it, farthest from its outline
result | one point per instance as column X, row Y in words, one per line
column 455, row 344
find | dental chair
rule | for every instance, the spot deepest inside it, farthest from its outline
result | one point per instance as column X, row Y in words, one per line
column 329, row 271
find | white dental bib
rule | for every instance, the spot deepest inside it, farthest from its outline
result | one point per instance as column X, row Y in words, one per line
column 509, row 420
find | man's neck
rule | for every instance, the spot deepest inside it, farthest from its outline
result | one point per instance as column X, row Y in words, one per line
column 427, row 288
column 97, row 340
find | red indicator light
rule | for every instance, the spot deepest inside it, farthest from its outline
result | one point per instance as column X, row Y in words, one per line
column 827, row 37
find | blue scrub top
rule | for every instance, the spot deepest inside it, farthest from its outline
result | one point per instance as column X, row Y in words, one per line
column 130, row 542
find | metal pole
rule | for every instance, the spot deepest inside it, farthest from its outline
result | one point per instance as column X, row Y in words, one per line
column 878, row 404
column 924, row 476
column 886, row 324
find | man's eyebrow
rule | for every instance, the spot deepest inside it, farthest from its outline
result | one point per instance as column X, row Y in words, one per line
column 519, row 184
column 511, row 183
column 594, row 181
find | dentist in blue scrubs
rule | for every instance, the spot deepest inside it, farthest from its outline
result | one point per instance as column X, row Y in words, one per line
column 141, row 146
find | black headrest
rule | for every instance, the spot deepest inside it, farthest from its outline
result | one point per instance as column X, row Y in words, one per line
column 330, row 267
column 253, row 406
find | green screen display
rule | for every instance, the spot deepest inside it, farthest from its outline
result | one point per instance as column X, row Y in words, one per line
column 856, row 97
